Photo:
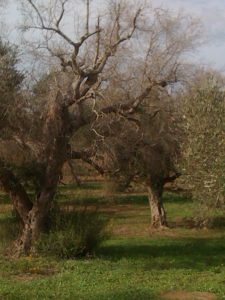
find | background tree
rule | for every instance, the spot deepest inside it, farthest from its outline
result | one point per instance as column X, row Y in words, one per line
column 204, row 118
column 11, row 78
column 146, row 148
column 146, row 142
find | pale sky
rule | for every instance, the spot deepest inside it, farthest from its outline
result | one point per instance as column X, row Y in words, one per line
column 211, row 12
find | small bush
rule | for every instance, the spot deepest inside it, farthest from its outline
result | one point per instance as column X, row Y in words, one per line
column 74, row 234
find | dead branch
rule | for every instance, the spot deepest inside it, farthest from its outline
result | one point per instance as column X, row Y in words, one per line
column 86, row 157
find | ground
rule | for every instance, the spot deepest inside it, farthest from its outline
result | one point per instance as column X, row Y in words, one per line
column 182, row 262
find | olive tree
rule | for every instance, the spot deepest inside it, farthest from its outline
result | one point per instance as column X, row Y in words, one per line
column 144, row 148
column 146, row 144
column 45, row 129
column 203, row 106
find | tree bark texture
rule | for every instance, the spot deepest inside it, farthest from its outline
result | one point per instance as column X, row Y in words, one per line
column 158, row 214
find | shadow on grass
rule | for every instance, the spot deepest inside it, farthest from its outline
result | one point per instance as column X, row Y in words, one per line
column 178, row 198
column 189, row 253
column 103, row 200
column 132, row 199
column 88, row 185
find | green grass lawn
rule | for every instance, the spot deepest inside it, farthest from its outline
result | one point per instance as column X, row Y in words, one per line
column 134, row 264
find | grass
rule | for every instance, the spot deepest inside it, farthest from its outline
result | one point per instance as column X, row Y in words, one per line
column 134, row 264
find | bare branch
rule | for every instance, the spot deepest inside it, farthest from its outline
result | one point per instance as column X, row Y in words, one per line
column 61, row 14
column 129, row 36
column 132, row 106
column 86, row 157
column 38, row 12
column 87, row 16
column 97, row 42
column 49, row 28
column 99, row 66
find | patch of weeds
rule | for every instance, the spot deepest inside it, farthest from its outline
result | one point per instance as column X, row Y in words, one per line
column 74, row 234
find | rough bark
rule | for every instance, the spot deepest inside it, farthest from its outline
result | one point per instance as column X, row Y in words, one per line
column 34, row 224
column 158, row 214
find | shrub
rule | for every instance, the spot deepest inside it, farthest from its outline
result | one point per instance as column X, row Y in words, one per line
column 74, row 234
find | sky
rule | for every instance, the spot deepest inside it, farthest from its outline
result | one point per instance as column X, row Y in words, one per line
column 210, row 12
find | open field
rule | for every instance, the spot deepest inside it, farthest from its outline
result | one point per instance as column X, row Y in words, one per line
column 135, row 263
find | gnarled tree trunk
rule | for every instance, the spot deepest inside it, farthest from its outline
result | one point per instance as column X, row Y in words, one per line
column 33, row 214
column 158, row 214
column 34, row 223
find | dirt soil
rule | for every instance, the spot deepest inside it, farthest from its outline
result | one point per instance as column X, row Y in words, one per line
column 184, row 295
